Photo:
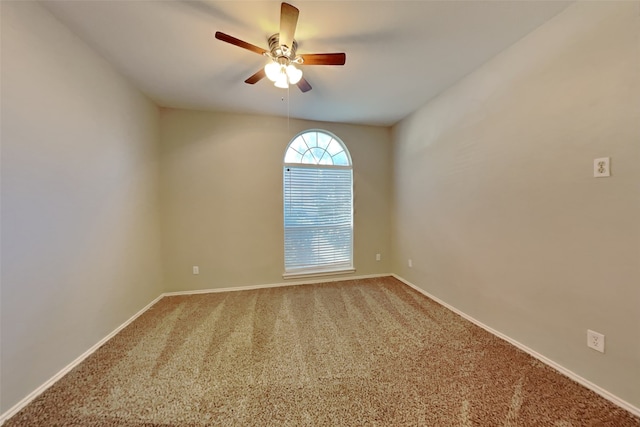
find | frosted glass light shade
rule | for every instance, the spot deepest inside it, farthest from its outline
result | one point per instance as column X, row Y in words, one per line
column 281, row 81
column 294, row 74
column 272, row 70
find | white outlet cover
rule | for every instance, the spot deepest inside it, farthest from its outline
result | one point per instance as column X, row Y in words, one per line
column 601, row 167
column 595, row 340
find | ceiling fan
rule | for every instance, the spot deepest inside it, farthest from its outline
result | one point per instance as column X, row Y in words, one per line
column 283, row 58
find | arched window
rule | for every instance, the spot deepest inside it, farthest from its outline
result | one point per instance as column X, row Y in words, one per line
column 318, row 205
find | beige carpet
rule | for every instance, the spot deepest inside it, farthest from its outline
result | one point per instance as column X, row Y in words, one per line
column 366, row 352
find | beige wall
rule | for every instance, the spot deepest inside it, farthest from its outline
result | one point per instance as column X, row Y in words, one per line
column 222, row 196
column 80, row 226
column 496, row 205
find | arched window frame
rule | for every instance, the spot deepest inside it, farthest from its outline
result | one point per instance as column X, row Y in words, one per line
column 318, row 235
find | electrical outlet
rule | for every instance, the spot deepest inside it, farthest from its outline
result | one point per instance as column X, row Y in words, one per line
column 595, row 340
column 196, row 269
column 410, row 263
column 378, row 257
column 601, row 167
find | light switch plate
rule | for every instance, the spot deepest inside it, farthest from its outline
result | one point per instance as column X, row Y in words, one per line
column 601, row 167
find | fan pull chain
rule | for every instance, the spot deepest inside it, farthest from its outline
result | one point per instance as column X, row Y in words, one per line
column 288, row 100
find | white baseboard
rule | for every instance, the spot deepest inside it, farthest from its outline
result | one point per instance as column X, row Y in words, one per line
column 577, row 378
column 276, row 285
column 38, row 391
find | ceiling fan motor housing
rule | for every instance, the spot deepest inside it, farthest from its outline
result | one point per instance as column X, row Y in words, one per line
column 278, row 51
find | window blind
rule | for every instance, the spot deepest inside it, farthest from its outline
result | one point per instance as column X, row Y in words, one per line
column 318, row 229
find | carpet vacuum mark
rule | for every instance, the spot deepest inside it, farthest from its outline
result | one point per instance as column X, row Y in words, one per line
column 352, row 353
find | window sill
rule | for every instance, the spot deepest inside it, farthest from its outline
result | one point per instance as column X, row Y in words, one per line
column 317, row 273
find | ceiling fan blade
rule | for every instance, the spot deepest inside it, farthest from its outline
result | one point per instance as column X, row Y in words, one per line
column 324, row 59
column 288, row 21
column 304, row 85
column 237, row 42
column 256, row 77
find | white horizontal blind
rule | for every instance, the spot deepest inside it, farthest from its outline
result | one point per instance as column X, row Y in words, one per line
column 318, row 228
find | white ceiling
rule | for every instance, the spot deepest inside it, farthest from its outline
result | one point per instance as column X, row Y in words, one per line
column 400, row 54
